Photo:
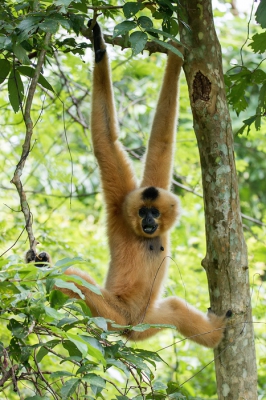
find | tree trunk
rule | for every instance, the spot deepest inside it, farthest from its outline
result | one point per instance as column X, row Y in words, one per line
column 226, row 262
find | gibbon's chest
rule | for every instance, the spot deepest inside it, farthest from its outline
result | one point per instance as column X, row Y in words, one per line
column 154, row 247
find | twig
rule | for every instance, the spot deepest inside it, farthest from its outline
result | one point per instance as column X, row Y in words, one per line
column 8, row 374
column 48, row 386
column 27, row 145
column 150, row 46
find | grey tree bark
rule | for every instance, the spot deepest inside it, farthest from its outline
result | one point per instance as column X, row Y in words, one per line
column 226, row 262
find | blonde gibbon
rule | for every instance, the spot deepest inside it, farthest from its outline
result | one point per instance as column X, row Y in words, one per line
column 139, row 216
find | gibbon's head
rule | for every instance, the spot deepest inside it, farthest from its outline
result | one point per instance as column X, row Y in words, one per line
column 151, row 211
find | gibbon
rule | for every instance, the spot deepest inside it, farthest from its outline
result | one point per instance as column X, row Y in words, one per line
column 139, row 217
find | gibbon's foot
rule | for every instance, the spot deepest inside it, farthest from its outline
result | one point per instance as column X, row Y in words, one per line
column 40, row 260
column 97, row 41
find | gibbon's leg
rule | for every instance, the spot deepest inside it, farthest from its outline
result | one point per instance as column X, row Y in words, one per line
column 116, row 171
column 107, row 305
column 206, row 330
column 158, row 165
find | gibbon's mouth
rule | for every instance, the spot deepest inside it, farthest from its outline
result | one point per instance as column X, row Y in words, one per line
column 149, row 228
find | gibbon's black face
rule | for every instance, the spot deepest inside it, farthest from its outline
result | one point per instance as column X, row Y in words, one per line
column 148, row 215
column 150, row 211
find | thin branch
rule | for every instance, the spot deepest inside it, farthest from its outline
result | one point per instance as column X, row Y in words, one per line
column 26, row 148
column 59, row 196
column 105, row 8
column 150, row 46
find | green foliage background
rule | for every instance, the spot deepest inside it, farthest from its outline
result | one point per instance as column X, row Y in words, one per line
column 62, row 185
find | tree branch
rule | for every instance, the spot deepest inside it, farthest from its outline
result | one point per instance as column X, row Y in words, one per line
column 26, row 148
column 151, row 46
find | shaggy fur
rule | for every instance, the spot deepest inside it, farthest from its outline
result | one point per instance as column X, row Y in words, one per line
column 138, row 263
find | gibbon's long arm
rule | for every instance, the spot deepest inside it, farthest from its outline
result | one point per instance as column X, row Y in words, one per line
column 116, row 171
column 158, row 165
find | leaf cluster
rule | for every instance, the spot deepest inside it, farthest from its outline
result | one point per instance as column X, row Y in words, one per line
column 54, row 347
column 244, row 79
column 162, row 11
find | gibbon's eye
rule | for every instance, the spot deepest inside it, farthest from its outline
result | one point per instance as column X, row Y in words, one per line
column 143, row 212
column 155, row 213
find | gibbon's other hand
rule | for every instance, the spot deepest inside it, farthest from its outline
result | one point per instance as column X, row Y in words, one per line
column 98, row 43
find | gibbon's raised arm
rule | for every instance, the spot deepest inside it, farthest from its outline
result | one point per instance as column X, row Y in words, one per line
column 116, row 171
column 158, row 165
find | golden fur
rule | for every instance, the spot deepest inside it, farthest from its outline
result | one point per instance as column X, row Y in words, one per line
column 138, row 261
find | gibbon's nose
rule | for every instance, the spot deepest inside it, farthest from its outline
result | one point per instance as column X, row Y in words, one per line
column 150, row 221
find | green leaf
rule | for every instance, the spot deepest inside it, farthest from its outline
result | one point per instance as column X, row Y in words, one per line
column 262, row 98
column 59, row 374
column 43, row 352
column 27, row 27
column 80, row 344
column 258, row 43
column 72, row 349
column 29, row 71
column 86, row 284
column 247, row 124
column 165, row 34
column 82, row 6
column 49, row 25
column 69, row 285
column 169, row 46
column 174, row 28
column 111, row 362
column 51, row 312
column 18, row 330
column 237, row 91
column 138, row 41
column 261, row 14
column 169, row 4
column 258, row 76
column 15, row 90
column 94, row 380
column 131, row 8
column 100, row 322
column 37, row 398
column 123, row 28
column 4, row 69
column 69, row 388
column 77, row 22
column 158, row 385
column 149, row 355
column 5, row 43
column 145, row 22
column 64, row 3
column 67, row 262
column 57, row 299
column 8, row 288
column 21, row 54
column 94, row 348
